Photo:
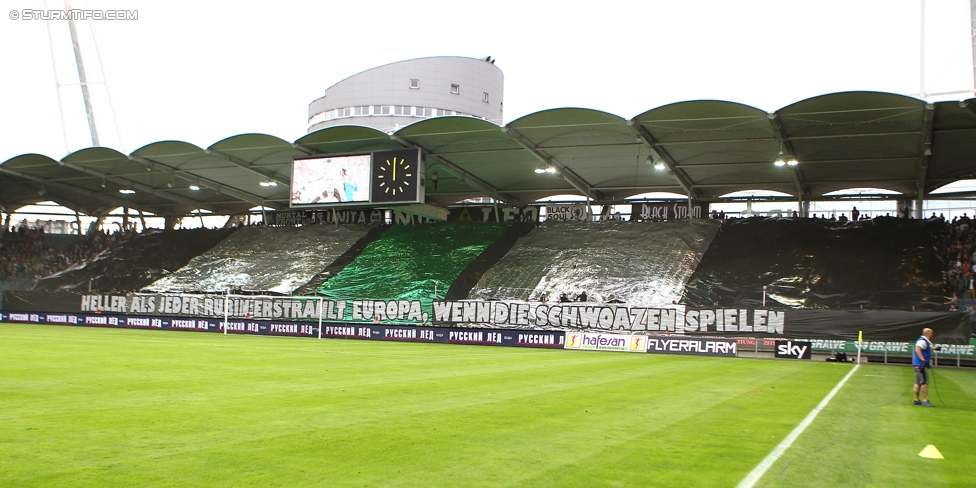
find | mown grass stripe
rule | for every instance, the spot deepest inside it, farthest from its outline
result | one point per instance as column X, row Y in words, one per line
column 750, row 480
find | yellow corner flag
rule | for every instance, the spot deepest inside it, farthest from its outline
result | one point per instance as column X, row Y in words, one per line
column 931, row 452
column 860, row 336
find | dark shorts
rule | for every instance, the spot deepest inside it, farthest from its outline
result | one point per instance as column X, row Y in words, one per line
column 921, row 375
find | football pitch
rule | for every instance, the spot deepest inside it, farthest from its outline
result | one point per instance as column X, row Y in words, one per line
column 109, row 407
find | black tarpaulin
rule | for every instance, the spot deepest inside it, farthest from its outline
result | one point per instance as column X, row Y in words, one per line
column 878, row 325
column 263, row 259
column 342, row 261
column 41, row 301
column 137, row 262
column 884, row 263
column 492, row 254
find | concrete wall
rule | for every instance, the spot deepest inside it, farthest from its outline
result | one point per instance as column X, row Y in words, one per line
column 390, row 86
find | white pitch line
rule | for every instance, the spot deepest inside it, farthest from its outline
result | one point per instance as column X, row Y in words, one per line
column 753, row 477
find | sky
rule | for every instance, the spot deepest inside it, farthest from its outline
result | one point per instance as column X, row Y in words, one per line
column 201, row 73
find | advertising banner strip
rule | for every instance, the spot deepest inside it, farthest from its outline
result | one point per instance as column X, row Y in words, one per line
column 752, row 341
column 606, row 342
column 890, row 348
column 406, row 333
column 793, row 350
column 698, row 346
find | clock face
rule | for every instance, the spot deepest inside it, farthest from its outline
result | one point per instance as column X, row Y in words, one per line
column 392, row 183
column 396, row 176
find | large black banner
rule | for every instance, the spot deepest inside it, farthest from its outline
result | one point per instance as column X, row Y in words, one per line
column 490, row 213
column 880, row 325
column 369, row 215
column 353, row 215
column 329, row 216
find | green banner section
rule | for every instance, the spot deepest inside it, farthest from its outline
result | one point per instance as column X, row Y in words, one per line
column 879, row 347
column 412, row 262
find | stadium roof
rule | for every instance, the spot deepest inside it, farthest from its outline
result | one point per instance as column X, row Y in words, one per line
column 703, row 148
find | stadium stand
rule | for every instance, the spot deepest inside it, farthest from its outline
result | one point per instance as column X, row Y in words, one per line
column 28, row 254
column 958, row 253
column 808, row 150
column 263, row 259
column 638, row 263
column 811, row 263
column 136, row 262
column 413, row 262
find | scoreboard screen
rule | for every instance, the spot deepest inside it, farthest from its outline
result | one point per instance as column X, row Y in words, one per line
column 331, row 180
column 382, row 177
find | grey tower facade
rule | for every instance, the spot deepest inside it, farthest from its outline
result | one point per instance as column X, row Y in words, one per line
column 398, row 94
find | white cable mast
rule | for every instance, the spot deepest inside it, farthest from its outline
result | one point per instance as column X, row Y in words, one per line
column 84, row 82
column 82, row 79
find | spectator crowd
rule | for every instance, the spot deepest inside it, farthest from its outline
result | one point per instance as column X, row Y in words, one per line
column 25, row 253
column 957, row 250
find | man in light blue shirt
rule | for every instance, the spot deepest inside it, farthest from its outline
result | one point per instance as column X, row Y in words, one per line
column 922, row 362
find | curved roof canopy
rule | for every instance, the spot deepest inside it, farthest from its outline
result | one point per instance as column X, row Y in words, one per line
column 699, row 148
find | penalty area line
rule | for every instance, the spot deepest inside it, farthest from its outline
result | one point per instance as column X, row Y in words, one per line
column 753, row 477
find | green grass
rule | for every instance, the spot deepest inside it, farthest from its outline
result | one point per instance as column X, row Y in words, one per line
column 871, row 435
column 106, row 407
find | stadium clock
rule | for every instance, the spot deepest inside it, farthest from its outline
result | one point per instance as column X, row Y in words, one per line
column 396, row 176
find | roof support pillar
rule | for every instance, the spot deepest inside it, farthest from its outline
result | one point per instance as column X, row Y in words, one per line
column 924, row 158
column 305, row 149
column 569, row 175
column 195, row 179
column 786, row 151
column 248, row 166
column 966, row 104
column 664, row 156
column 470, row 179
column 108, row 200
column 143, row 188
